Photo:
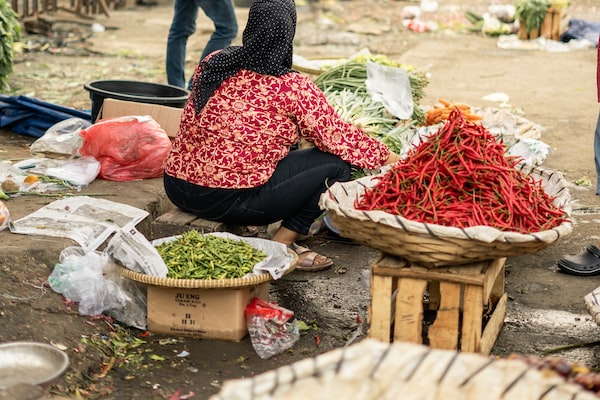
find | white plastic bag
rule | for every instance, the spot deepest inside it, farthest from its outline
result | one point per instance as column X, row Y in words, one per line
column 79, row 172
column 391, row 86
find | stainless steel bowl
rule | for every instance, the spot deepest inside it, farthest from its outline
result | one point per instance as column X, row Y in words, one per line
column 30, row 363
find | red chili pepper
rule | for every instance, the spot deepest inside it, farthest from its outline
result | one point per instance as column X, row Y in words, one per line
column 461, row 176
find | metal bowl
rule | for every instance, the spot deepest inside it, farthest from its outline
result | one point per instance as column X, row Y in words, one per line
column 30, row 363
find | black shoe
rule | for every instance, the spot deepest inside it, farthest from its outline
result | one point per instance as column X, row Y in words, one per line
column 146, row 3
column 585, row 263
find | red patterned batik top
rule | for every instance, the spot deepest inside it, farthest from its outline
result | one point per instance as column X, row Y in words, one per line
column 249, row 124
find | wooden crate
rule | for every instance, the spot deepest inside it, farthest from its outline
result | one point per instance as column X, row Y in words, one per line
column 554, row 25
column 457, row 308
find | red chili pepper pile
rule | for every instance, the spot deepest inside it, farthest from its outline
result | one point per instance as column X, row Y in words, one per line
column 461, row 177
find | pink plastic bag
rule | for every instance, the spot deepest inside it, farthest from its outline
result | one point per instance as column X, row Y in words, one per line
column 128, row 148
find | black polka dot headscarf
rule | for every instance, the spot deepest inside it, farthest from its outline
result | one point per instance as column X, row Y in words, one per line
column 267, row 48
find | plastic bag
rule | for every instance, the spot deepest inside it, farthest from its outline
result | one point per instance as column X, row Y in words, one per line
column 128, row 148
column 270, row 328
column 391, row 86
column 79, row 172
column 4, row 216
column 90, row 279
column 61, row 138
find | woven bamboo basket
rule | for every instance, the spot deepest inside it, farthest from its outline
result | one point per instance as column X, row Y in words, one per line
column 432, row 245
column 592, row 303
column 374, row 370
column 251, row 280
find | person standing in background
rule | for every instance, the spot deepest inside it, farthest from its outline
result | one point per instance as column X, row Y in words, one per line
column 597, row 134
column 183, row 25
column 587, row 262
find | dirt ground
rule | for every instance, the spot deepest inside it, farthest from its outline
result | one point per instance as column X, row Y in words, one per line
column 545, row 312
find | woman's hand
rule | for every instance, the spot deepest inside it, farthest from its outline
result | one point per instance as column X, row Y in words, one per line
column 393, row 157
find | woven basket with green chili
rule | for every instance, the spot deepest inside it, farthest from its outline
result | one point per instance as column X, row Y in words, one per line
column 194, row 255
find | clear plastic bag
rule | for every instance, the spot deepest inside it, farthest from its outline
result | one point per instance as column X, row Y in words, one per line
column 90, row 279
column 271, row 327
column 61, row 138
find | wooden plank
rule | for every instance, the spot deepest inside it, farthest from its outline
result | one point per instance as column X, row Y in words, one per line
column 472, row 319
column 408, row 324
column 498, row 288
column 546, row 27
column 443, row 332
column 493, row 326
column 176, row 217
column 381, row 308
column 495, row 269
column 471, row 274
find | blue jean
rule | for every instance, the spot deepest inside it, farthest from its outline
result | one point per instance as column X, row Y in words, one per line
column 183, row 25
column 291, row 195
column 597, row 154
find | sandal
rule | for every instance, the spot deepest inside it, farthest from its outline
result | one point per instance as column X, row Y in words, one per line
column 307, row 259
column 586, row 263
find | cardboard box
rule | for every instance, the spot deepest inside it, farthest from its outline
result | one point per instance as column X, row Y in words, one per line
column 202, row 313
column 167, row 117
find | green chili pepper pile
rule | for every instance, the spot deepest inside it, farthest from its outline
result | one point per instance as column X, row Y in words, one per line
column 198, row 256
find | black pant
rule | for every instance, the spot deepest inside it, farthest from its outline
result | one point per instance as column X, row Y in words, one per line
column 291, row 195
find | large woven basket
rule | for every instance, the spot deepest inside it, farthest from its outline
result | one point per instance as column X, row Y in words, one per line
column 251, row 280
column 432, row 245
column 592, row 303
column 374, row 370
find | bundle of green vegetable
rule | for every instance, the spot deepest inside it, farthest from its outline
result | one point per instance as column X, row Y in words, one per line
column 352, row 75
column 198, row 256
column 10, row 32
column 532, row 13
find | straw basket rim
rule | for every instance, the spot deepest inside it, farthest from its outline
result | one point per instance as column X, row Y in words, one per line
column 251, row 280
column 592, row 302
column 435, row 245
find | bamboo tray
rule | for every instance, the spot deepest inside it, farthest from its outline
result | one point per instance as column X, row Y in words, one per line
column 251, row 280
column 432, row 245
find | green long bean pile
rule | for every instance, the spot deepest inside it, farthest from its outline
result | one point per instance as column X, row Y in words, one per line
column 352, row 75
column 198, row 256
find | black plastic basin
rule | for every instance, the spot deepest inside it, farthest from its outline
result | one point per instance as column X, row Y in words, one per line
column 139, row 92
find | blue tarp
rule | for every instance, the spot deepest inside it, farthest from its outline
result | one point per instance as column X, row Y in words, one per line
column 580, row 29
column 32, row 117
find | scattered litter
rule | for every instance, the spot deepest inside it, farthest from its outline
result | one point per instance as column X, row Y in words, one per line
column 512, row 42
column 497, row 97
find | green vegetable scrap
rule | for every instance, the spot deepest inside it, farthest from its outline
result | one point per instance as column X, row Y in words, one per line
column 198, row 256
column 10, row 32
